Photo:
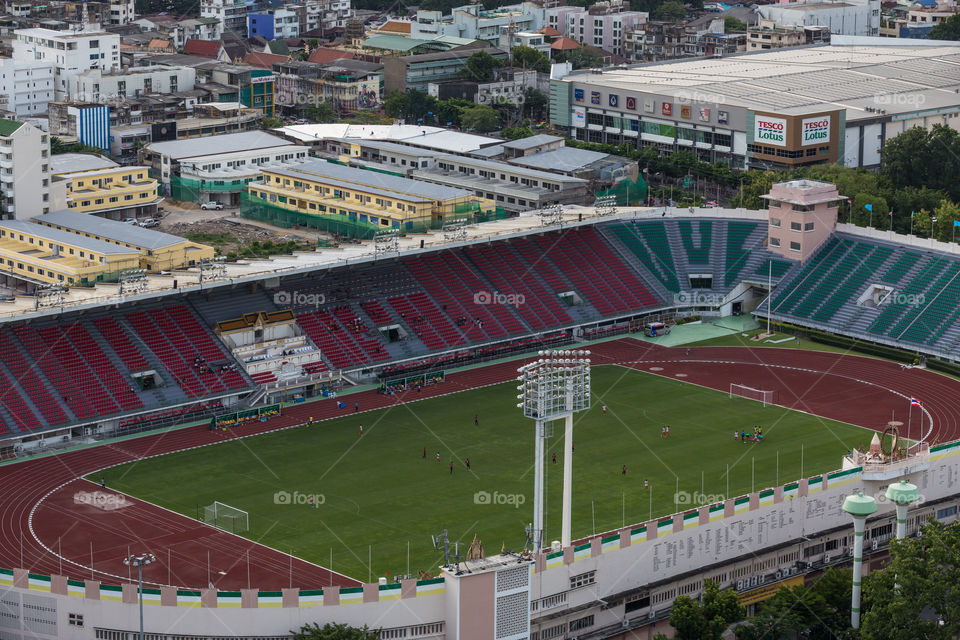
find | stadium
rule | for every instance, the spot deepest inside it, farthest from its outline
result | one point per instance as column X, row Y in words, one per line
column 340, row 444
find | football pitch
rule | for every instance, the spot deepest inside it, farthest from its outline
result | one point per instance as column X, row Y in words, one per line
column 378, row 496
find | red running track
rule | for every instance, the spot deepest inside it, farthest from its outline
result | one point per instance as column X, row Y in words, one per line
column 44, row 530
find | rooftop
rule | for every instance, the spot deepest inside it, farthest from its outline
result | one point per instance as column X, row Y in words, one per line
column 852, row 73
column 65, row 237
column 7, row 127
column 531, row 141
column 563, row 159
column 119, row 231
column 73, row 162
column 213, row 145
column 421, row 136
column 362, row 177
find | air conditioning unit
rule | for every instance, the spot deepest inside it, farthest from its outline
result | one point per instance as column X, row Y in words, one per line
column 779, row 575
column 826, row 558
column 624, row 624
column 740, row 585
column 876, row 543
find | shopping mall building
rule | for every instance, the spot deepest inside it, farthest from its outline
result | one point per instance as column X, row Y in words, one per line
column 768, row 109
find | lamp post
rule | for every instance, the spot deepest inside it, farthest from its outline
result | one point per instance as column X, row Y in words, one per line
column 555, row 386
column 858, row 506
column 139, row 561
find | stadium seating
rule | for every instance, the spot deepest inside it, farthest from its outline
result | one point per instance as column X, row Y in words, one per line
column 696, row 254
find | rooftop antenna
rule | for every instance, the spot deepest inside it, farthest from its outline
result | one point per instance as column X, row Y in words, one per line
column 441, row 542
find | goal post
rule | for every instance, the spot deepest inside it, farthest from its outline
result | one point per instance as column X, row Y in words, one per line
column 223, row 516
column 764, row 396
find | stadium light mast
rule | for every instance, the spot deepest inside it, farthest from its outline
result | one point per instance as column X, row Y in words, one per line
column 555, row 386
column 858, row 506
column 139, row 561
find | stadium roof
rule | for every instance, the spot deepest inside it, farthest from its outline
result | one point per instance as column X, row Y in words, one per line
column 111, row 229
column 73, row 162
column 213, row 145
column 377, row 180
column 888, row 76
column 65, row 237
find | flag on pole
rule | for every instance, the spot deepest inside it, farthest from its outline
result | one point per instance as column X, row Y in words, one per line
column 913, row 213
column 891, row 214
column 933, row 218
column 915, row 402
column 956, row 223
column 868, row 207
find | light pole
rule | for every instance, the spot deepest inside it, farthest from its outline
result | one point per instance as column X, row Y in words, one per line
column 139, row 561
column 902, row 494
column 858, row 506
column 555, row 386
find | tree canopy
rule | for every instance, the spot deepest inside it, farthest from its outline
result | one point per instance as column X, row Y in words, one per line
column 479, row 67
column 332, row 631
column 529, row 58
column 707, row 618
column 948, row 29
column 670, row 10
column 480, row 118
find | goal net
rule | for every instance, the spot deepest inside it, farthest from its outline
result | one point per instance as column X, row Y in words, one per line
column 223, row 516
column 760, row 395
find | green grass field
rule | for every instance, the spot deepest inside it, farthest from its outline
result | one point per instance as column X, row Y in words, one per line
column 380, row 491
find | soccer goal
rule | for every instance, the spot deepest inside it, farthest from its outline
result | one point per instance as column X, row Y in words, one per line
column 760, row 395
column 223, row 516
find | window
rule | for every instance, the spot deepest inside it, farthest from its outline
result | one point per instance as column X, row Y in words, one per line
column 794, row 246
column 947, row 512
column 796, row 226
column 581, row 623
column 774, row 222
column 583, row 579
column 808, row 226
column 774, row 242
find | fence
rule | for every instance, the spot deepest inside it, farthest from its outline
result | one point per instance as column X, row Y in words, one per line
column 627, row 192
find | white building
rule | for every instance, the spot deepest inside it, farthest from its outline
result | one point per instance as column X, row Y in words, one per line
column 474, row 22
column 122, row 11
column 602, row 25
column 94, row 85
column 70, row 52
column 24, row 170
column 848, row 18
column 232, row 14
column 26, row 87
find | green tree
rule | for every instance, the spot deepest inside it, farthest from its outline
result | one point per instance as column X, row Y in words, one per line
column 313, row 43
column 269, row 122
column 535, row 104
column 820, row 612
column 321, row 112
column 479, row 67
column 396, row 104
column 708, row 618
column 515, row 133
column 480, row 118
column 948, row 29
column 529, row 58
column 57, row 146
column 915, row 595
column 670, row 10
column 734, row 25
column 918, row 157
column 413, row 105
column 864, row 217
column 331, row 631
column 450, row 111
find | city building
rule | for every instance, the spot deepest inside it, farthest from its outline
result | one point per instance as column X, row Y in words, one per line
column 122, row 12
column 79, row 121
column 82, row 184
column 273, row 24
column 513, row 188
column 24, row 170
column 157, row 251
column 803, row 214
column 418, row 71
column 474, row 22
column 26, row 86
column 823, row 103
column 231, row 14
column 603, row 25
column 70, row 52
column 380, row 200
column 509, row 86
column 314, row 136
column 256, row 87
column 768, row 35
column 217, row 168
column 848, row 18
column 34, row 254
column 352, row 84
column 179, row 31
column 97, row 85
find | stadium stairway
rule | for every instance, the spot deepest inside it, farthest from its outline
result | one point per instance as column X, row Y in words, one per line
column 17, row 410
column 631, row 258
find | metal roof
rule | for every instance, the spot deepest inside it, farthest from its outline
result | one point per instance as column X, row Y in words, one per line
column 563, row 159
column 531, row 141
column 111, row 229
column 65, row 237
column 421, row 136
column 363, row 178
column 797, row 80
column 215, row 145
column 73, row 162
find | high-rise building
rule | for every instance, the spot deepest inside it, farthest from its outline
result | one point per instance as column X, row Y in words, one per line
column 70, row 52
column 26, row 87
column 24, row 170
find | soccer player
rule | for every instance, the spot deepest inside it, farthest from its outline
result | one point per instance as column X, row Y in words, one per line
column 663, row 432
column 468, row 464
column 624, row 471
column 356, row 407
column 476, row 420
column 554, row 458
column 736, row 435
column 424, row 453
column 646, row 485
column 668, row 431
column 438, row 456
column 604, row 409
column 451, row 467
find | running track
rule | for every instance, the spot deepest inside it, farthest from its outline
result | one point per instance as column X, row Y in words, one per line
column 41, row 524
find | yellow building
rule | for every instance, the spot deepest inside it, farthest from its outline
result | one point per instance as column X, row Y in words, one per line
column 89, row 183
column 36, row 254
column 384, row 200
column 158, row 251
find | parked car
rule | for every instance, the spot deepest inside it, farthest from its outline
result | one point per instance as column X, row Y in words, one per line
column 215, row 206
column 131, row 221
column 149, row 222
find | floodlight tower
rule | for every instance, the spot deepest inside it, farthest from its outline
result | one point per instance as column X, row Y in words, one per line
column 555, row 386
column 902, row 494
column 858, row 506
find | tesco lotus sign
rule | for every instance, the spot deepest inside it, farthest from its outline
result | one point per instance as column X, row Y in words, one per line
column 815, row 130
column 769, row 130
